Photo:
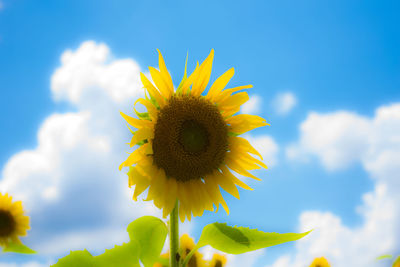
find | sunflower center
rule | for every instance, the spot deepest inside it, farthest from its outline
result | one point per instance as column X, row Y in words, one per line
column 190, row 138
column 7, row 223
column 193, row 137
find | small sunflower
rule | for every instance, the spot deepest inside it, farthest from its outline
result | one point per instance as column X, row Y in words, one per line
column 396, row 263
column 189, row 143
column 320, row 262
column 218, row 260
column 13, row 222
column 186, row 245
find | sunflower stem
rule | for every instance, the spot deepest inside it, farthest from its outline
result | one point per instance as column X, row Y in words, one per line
column 174, row 237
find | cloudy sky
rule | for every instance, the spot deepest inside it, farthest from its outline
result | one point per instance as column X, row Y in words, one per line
column 326, row 77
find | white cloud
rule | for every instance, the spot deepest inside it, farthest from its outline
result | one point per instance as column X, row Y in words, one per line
column 70, row 183
column 283, row 103
column 339, row 139
column 253, row 106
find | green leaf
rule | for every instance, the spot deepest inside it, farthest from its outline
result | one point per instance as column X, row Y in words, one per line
column 384, row 257
column 80, row 258
column 126, row 255
column 237, row 240
column 18, row 248
column 150, row 232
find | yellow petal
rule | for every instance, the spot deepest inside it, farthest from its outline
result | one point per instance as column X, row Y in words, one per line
column 250, row 160
column 141, row 183
column 244, row 144
column 182, row 212
column 204, row 74
column 170, row 196
column 142, row 134
column 234, row 101
column 220, row 84
column 195, row 200
column 233, row 165
column 243, row 162
column 189, row 81
column 136, row 122
column 146, row 168
column 214, row 193
column 234, row 179
column 152, row 90
column 156, row 190
column 243, row 123
column 160, row 83
column 186, row 198
column 165, row 74
column 135, row 156
column 226, row 93
column 226, row 184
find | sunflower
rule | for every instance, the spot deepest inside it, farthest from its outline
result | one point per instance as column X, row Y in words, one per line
column 189, row 143
column 186, row 245
column 218, row 260
column 320, row 262
column 13, row 222
column 396, row 263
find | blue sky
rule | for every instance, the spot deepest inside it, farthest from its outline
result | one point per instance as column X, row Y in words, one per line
column 331, row 57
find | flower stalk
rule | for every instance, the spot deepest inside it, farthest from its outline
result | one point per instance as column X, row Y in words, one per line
column 174, row 237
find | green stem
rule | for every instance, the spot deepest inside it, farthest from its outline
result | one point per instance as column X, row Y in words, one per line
column 174, row 237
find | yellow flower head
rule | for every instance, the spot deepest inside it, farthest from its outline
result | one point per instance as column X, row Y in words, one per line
column 396, row 263
column 186, row 245
column 218, row 260
column 13, row 222
column 189, row 143
column 320, row 262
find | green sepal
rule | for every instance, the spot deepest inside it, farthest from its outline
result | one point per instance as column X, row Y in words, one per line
column 152, row 99
column 18, row 247
column 230, row 134
column 237, row 240
column 142, row 142
column 150, row 232
column 143, row 115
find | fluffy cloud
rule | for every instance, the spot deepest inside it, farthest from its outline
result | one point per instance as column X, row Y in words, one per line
column 338, row 140
column 283, row 103
column 70, row 183
column 253, row 106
